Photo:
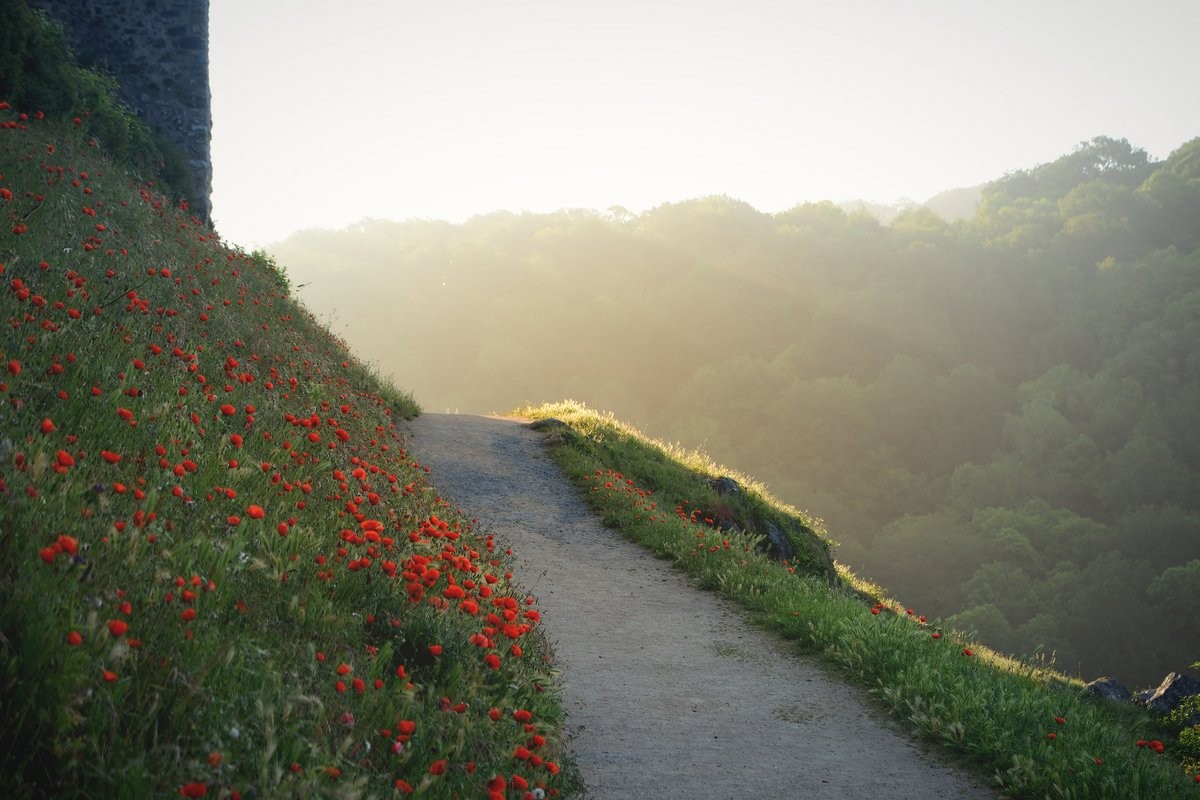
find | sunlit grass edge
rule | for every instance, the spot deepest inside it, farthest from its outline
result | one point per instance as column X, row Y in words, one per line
column 1023, row 727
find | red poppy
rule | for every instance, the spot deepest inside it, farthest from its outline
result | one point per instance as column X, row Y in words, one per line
column 110, row 456
column 48, row 426
column 195, row 789
column 117, row 627
column 438, row 767
column 74, row 639
column 255, row 512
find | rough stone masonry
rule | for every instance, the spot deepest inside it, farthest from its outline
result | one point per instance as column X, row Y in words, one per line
column 158, row 50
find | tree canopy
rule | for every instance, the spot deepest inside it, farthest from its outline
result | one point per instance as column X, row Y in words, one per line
column 998, row 417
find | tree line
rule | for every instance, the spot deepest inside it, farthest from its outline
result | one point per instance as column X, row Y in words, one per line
column 998, row 417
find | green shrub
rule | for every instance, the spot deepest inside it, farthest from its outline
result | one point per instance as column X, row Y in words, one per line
column 39, row 73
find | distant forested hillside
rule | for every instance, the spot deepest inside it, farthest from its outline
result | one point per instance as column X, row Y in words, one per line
column 998, row 417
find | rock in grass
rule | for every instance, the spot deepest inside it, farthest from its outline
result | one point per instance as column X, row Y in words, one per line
column 1109, row 689
column 724, row 485
column 1170, row 694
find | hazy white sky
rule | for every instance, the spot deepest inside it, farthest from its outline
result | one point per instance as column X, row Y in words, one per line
column 326, row 113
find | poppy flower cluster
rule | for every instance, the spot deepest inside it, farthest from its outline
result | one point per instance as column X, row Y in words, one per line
column 207, row 481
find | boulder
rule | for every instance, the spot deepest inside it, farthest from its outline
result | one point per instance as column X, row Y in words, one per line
column 1109, row 689
column 724, row 485
column 1170, row 694
column 780, row 547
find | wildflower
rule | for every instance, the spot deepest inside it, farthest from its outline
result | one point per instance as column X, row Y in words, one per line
column 14, row 367
column 1060, row 720
column 967, row 652
column 255, row 512
column 74, row 639
column 117, row 627
column 1051, row 736
column 109, row 676
column 438, row 767
column 435, row 649
column 403, row 786
column 1098, row 761
column 48, row 426
column 194, row 789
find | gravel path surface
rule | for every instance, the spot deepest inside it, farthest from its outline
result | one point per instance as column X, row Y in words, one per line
column 670, row 694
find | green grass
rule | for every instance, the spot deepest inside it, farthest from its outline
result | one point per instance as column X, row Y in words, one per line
column 220, row 569
column 998, row 715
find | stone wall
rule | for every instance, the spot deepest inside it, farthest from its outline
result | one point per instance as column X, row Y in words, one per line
column 158, row 50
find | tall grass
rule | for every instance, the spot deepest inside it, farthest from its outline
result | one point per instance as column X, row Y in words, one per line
column 1025, row 728
column 221, row 572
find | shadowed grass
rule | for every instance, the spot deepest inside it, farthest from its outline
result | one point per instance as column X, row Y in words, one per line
column 221, row 573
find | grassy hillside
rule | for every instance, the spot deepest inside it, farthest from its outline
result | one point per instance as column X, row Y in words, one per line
column 1026, row 728
column 221, row 573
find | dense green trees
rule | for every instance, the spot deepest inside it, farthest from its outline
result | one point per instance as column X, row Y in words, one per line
column 998, row 418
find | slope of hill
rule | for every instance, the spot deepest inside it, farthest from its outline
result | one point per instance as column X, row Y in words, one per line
column 221, row 572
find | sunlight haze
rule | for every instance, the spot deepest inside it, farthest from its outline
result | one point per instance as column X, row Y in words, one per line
column 325, row 115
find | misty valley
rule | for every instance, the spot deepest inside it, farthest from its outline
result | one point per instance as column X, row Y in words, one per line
column 997, row 417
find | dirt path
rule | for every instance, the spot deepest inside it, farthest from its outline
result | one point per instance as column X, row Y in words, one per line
column 670, row 695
